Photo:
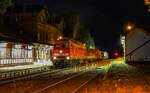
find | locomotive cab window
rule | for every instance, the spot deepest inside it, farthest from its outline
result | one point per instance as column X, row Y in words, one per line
column 61, row 46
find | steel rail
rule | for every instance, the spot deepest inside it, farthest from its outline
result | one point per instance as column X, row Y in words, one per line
column 59, row 82
column 3, row 81
column 66, row 79
column 83, row 84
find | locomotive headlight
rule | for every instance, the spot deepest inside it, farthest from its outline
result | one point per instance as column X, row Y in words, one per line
column 67, row 58
column 54, row 58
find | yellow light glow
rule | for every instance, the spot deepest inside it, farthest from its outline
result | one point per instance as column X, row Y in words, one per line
column 129, row 27
column 68, row 58
column 60, row 37
column 84, row 44
column 54, row 58
column 119, row 60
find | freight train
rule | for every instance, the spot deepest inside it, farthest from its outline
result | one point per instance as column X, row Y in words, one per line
column 69, row 53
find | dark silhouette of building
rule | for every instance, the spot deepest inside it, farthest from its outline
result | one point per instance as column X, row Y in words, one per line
column 30, row 23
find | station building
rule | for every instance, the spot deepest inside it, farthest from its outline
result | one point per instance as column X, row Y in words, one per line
column 24, row 36
column 137, row 46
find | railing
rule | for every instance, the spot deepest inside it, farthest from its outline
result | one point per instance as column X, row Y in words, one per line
column 23, row 72
column 5, row 61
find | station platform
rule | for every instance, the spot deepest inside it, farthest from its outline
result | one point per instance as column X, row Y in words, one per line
column 6, row 73
column 23, row 66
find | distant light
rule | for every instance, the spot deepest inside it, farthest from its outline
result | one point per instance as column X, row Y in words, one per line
column 84, row 44
column 116, row 54
column 91, row 47
column 68, row 58
column 105, row 54
column 129, row 27
column 59, row 38
column 122, row 40
column 54, row 58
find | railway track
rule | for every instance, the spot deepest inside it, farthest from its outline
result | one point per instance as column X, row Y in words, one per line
column 61, row 86
column 34, row 75
column 40, row 83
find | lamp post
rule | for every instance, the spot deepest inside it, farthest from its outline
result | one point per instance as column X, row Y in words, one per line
column 129, row 28
column 123, row 38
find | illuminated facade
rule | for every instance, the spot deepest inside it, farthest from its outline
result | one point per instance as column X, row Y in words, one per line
column 15, row 53
column 27, row 24
column 42, row 54
column 18, row 53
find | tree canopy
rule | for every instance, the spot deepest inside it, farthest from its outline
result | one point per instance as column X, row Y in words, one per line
column 4, row 4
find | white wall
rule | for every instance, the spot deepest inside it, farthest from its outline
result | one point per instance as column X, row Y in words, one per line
column 134, row 39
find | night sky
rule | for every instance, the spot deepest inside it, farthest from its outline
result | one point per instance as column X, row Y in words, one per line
column 106, row 19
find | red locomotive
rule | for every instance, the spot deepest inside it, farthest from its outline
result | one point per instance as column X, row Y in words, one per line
column 68, row 53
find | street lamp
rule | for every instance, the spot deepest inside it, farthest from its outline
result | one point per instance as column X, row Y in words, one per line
column 59, row 38
column 129, row 27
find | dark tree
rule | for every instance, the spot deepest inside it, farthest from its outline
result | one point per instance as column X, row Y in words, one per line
column 4, row 4
column 71, row 24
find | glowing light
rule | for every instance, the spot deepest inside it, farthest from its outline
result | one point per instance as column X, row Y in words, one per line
column 68, row 58
column 129, row 27
column 84, row 44
column 91, row 47
column 123, row 44
column 116, row 54
column 60, row 51
column 54, row 58
column 118, row 60
column 106, row 54
column 59, row 38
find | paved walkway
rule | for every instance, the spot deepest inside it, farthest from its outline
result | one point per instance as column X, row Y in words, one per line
column 21, row 67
